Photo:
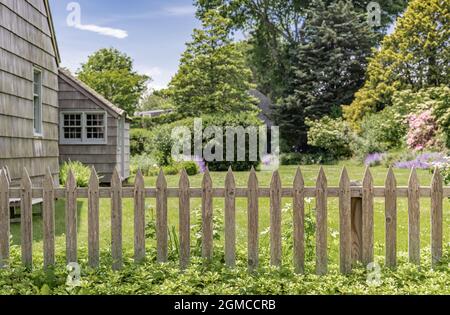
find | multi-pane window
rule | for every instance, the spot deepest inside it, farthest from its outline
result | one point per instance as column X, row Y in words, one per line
column 72, row 126
column 37, row 101
column 83, row 128
column 95, row 126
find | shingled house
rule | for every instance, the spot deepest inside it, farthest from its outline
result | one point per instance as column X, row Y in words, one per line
column 92, row 130
column 29, row 117
column 47, row 116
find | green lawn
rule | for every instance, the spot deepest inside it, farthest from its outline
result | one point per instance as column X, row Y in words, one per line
column 356, row 172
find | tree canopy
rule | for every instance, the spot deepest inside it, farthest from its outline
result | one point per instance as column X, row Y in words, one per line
column 415, row 56
column 276, row 28
column 110, row 73
column 332, row 59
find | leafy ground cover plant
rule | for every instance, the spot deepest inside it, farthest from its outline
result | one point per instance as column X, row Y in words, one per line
column 214, row 277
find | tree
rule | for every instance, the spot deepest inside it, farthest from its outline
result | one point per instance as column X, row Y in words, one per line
column 156, row 100
column 415, row 56
column 213, row 77
column 332, row 62
column 110, row 73
column 276, row 28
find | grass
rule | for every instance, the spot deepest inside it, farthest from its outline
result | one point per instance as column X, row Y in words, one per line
column 355, row 171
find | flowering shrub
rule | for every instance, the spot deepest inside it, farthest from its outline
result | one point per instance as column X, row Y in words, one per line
column 374, row 159
column 444, row 168
column 422, row 132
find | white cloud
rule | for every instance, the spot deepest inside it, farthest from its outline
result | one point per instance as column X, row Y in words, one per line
column 107, row 31
column 180, row 10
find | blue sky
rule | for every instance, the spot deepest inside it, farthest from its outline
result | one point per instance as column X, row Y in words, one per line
column 152, row 32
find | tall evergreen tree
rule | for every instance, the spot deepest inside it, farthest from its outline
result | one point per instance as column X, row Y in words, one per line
column 332, row 59
column 213, row 77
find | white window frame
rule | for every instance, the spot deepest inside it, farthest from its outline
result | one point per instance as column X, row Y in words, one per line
column 84, row 140
column 38, row 133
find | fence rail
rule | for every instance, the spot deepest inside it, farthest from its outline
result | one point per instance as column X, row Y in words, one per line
column 356, row 217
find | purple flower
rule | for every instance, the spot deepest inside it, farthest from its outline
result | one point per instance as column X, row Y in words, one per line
column 374, row 159
column 422, row 161
column 200, row 163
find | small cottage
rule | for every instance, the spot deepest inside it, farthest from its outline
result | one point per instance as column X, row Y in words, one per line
column 91, row 129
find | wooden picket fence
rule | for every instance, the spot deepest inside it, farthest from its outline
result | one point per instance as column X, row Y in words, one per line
column 356, row 216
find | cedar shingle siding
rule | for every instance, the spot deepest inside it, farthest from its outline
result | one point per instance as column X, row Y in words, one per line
column 27, row 42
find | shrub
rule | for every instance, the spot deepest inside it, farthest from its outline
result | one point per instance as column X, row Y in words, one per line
column 170, row 170
column 162, row 141
column 380, row 132
column 332, row 135
column 81, row 172
column 422, row 132
column 144, row 162
column 191, row 167
column 140, row 141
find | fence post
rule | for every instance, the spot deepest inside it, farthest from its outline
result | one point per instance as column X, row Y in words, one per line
column 357, row 226
column 4, row 219
column 345, row 223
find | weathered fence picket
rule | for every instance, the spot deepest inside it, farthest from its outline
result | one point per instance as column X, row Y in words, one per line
column 4, row 219
column 414, row 218
column 299, row 222
column 71, row 219
column 345, row 219
column 185, row 220
column 356, row 217
column 391, row 219
column 275, row 220
column 26, row 220
column 116, row 220
column 253, row 217
column 93, row 220
column 436, row 217
column 321, row 223
column 161, row 218
column 230, row 219
column 207, row 217
column 139, row 217
column 48, row 218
